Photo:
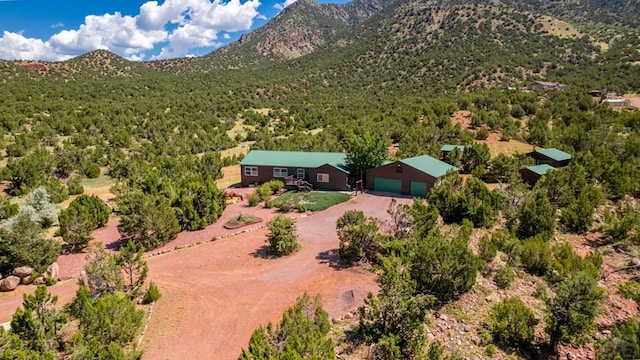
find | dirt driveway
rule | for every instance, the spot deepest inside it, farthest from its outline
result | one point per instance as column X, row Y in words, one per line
column 214, row 295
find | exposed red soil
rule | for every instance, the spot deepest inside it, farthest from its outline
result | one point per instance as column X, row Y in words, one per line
column 216, row 294
column 635, row 102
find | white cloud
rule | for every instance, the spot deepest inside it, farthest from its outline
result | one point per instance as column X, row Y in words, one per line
column 280, row 6
column 180, row 26
column 57, row 25
column 16, row 46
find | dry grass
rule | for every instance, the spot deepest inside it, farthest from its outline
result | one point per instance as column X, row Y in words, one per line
column 241, row 149
column 231, row 176
column 559, row 28
column 507, row 147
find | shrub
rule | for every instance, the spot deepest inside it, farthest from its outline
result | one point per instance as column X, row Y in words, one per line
column 92, row 171
column 504, row 277
column 274, row 185
column 487, row 249
column 75, row 186
column 512, row 323
column 264, row 192
column 482, row 134
column 490, row 350
column 253, row 199
column 285, row 206
column 357, row 236
column 151, row 295
column 536, row 256
column 282, row 237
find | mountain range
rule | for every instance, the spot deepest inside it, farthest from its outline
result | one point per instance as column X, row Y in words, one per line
column 401, row 44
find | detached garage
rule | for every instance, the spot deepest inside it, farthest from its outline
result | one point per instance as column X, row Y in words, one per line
column 413, row 176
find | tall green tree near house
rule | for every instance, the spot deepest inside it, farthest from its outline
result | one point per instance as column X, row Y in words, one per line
column 365, row 152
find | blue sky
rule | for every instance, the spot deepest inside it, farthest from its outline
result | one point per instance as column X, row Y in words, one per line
column 136, row 30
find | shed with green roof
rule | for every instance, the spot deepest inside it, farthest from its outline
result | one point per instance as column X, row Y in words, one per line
column 532, row 174
column 323, row 170
column 413, row 176
column 551, row 156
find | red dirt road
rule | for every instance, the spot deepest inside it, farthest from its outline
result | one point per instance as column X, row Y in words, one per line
column 214, row 295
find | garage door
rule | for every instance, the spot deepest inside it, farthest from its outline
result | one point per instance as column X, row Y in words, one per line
column 387, row 185
column 418, row 188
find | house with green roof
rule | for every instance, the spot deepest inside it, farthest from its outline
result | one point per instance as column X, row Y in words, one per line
column 550, row 156
column 413, row 176
column 532, row 174
column 323, row 170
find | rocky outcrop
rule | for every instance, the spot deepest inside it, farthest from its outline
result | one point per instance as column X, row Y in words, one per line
column 53, row 271
column 9, row 283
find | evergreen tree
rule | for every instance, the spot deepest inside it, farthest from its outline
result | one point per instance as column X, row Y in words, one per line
column 572, row 311
column 301, row 334
column 537, row 217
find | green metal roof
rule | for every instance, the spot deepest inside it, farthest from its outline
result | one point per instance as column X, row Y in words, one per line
column 541, row 169
column 298, row 159
column 429, row 165
column 555, row 154
column 448, row 147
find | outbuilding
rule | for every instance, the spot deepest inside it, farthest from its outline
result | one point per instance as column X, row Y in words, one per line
column 323, row 170
column 413, row 176
column 532, row 174
column 550, row 156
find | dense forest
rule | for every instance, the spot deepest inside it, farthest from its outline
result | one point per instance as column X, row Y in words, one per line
column 161, row 132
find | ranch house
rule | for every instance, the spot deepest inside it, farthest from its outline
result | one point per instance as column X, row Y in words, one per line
column 322, row 170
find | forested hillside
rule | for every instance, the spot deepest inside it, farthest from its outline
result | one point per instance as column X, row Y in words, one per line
column 418, row 74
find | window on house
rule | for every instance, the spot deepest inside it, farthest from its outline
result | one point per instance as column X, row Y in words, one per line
column 300, row 173
column 322, row 178
column 280, row 172
column 250, row 171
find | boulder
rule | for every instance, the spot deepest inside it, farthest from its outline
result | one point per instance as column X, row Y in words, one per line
column 26, row 280
column 53, row 271
column 39, row 280
column 23, row 271
column 9, row 283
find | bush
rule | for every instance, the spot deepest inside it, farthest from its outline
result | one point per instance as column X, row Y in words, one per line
column 487, row 249
column 274, row 185
column 357, row 236
column 282, row 237
column 92, row 171
column 482, row 134
column 490, row 350
column 512, row 323
column 75, row 186
column 151, row 295
column 254, row 199
column 504, row 277
column 536, row 256
column 285, row 206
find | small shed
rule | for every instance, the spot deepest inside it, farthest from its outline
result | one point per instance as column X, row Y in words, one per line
column 550, row 156
column 532, row 174
column 413, row 176
column 446, row 149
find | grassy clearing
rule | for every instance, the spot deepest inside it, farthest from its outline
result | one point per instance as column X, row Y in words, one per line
column 507, row 147
column 314, row 200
